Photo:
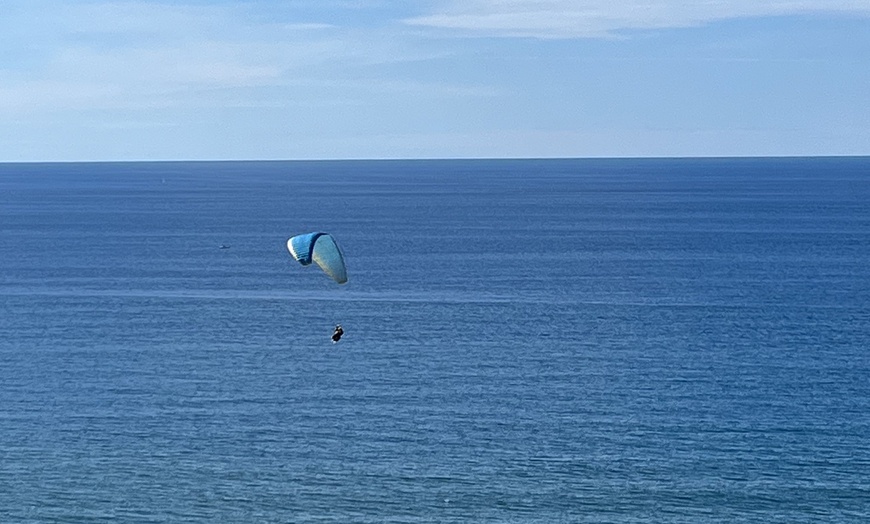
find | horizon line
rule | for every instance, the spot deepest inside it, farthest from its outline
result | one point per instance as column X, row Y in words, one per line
column 437, row 159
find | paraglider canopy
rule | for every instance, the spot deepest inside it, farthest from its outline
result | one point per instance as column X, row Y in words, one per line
column 321, row 249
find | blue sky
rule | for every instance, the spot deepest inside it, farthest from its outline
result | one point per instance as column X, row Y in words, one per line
column 151, row 80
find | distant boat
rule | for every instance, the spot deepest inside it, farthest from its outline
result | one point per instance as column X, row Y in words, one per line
column 224, row 246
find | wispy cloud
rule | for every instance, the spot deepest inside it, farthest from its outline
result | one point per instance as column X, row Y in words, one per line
column 111, row 55
column 602, row 18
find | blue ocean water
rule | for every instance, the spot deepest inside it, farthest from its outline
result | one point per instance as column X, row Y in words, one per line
column 601, row 341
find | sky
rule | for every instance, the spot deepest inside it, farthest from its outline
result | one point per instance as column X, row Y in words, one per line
column 97, row 80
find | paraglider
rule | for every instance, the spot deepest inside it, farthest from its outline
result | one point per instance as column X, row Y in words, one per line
column 323, row 250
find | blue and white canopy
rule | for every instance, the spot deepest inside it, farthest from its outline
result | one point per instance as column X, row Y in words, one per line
column 321, row 249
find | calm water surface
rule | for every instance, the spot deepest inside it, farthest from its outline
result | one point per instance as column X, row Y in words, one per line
column 681, row 341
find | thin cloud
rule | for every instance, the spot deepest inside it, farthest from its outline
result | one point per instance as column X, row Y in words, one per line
column 604, row 18
column 128, row 55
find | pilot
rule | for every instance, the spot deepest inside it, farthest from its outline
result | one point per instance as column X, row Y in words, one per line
column 336, row 335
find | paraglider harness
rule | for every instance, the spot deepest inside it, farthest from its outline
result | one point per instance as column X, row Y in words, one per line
column 336, row 335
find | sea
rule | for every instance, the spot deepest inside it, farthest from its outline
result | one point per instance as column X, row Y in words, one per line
column 526, row 341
